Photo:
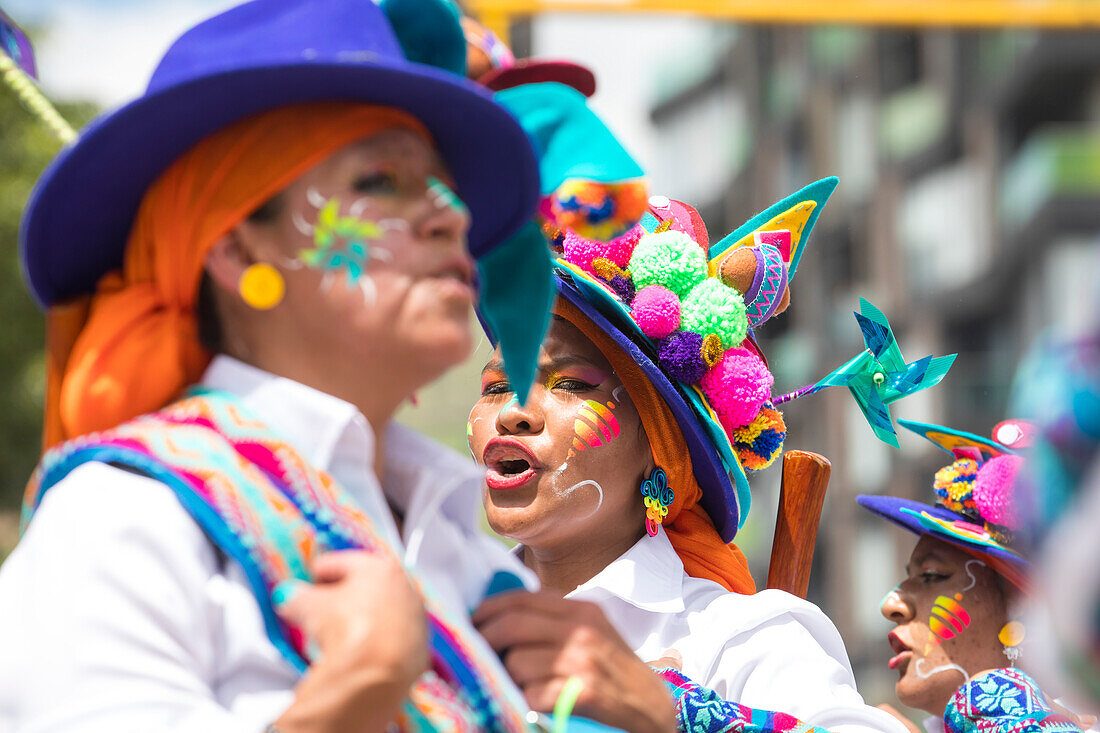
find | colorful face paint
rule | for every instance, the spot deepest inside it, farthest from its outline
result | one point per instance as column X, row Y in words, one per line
column 512, row 402
column 948, row 620
column 587, row 483
column 937, row 670
column 443, row 197
column 595, row 425
column 341, row 244
column 973, row 580
column 891, row 596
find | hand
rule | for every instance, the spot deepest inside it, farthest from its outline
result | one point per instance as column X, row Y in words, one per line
column 369, row 635
column 909, row 725
column 545, row 640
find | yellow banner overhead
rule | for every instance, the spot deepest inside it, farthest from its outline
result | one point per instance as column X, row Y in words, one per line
column 497, row 14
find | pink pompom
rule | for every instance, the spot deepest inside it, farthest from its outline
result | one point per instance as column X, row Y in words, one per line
column 581, row 252
column 737, row 387
column 994, row 491
column 656, row 310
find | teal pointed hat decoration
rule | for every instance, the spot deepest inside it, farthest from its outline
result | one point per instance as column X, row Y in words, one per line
column 590, row 183
column 515, row 295
column 429, row 31
column 576, row 149
column 795, row 214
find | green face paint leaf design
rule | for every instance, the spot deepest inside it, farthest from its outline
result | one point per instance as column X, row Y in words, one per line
column 340, row 242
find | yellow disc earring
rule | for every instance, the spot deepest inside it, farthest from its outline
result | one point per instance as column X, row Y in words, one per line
column 1012, row 636
column 261, row 286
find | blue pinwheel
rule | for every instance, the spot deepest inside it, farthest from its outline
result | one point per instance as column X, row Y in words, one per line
column 879, row 375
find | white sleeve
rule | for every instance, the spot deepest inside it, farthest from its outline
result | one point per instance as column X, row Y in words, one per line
column 795, row 663
column 106, row 623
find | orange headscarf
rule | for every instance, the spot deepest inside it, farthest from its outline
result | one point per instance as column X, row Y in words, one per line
column 687, row 525
column 139, row 348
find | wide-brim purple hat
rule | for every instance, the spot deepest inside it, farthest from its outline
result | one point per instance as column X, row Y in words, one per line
column 968, row 532
column 256, row 57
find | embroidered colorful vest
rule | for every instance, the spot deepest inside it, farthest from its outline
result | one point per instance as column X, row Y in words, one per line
column 1004, row 701
column 268, row 509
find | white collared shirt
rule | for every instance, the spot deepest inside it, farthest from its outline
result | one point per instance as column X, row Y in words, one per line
column 769, row 651
column 118, row 614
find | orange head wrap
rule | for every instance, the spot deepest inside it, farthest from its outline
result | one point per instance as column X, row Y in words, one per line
column 688, row 527
column 139, row 348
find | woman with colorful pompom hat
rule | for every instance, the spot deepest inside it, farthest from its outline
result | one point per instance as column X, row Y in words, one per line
column 623, row 475
column 958, row 643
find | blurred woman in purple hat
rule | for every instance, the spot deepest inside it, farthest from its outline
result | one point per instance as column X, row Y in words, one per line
column 247, row 270
column 958, row 646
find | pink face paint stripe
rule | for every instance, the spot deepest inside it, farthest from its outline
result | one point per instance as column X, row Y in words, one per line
column 606, row 412
column 954, row 607
column 587, row 434
column 612, row 425
column 593, row 417
column 940, row 629
column 953, row 622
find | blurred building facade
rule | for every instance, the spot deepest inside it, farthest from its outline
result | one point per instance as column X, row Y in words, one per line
column 968, row 210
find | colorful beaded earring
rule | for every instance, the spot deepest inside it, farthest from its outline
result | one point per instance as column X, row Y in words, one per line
column 261, row 286
column 657, row 497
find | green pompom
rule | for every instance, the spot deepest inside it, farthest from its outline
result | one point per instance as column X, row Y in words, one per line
column 670, row 259
column 713, row 307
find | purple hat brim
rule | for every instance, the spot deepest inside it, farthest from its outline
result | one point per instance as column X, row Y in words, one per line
column 725, row 493
column 79, row 215
column 907, row 514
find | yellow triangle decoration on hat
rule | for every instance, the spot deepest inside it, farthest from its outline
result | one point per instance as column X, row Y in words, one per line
column 794, row 219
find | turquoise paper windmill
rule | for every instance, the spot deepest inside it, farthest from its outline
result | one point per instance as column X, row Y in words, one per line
column 879, row 375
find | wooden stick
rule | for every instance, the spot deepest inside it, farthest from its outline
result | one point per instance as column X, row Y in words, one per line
column 801, row 494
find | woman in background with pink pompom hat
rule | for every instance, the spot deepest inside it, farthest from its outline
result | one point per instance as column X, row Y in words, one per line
column 623, row 478
column 957, row 647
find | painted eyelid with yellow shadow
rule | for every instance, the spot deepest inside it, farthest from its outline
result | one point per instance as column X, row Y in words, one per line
column 591, row 377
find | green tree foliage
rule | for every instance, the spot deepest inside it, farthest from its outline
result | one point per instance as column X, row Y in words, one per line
column 26, row 146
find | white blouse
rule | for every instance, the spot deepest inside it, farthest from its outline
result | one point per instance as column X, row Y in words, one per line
column 118, row 614
column 770, row 651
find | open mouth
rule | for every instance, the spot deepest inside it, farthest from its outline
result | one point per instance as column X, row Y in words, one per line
column 509, row 464
column 902, row 652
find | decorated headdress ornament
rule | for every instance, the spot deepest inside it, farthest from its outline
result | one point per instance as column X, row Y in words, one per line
column 978, row 503
column 690, row 309
column 18, row 69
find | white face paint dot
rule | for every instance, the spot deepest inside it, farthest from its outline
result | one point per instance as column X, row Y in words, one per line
column 659, row 202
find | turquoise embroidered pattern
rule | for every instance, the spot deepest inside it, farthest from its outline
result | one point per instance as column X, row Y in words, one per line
column 700, row 710
column 1004, row 701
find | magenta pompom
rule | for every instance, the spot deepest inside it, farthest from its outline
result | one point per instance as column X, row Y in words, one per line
column 994, row 491
column 656, row 311
column 581, row 252
column 737, row 387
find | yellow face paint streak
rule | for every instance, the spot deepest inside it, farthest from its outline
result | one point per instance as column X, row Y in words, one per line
column 956, row 608
column 587, row 434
